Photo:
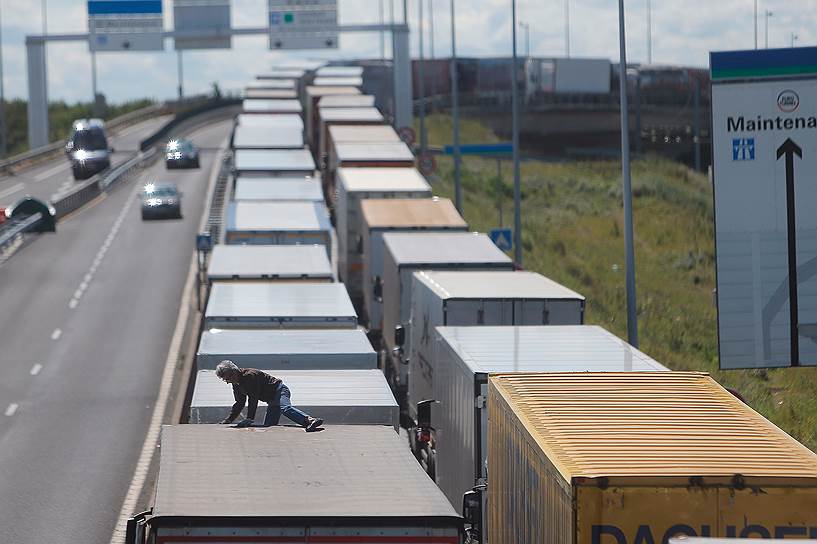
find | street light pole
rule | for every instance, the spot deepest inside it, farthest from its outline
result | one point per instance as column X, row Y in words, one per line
column 649, row 31
column 567, row 28
column 526, row 28
column 767, row 14
column 517, row 189
column 632, row 323
column 455, row 111
column 793, row 38
column 3, row 146
column 181, row 72
column 421, row 75
column 431, row 52
column 755, row 24
column 382, row 35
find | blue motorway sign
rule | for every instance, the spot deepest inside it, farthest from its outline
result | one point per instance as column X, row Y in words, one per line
column 125, row 25
column 481, row 149
column 502, row 237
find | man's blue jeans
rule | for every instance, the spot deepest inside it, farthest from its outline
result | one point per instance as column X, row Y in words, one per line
column 282, row 405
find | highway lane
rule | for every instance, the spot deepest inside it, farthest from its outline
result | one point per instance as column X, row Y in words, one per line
column 54, row 175
column 86, row 318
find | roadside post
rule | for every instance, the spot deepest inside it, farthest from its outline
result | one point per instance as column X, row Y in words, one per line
column 204, row 245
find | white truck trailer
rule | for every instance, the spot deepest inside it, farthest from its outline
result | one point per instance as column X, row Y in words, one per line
column 353, row 186
column 380, row 216
column 346, row 484
column 269, row 263
column 343, row 116
column 455, row 448
column 279, row 305
column 291, row 189
column 287, row 349
column 282, row 163
column 409, row 252
column 274, row 105
column 312, row 95
column 278, row 223
column 339, row 397
column 477, row 298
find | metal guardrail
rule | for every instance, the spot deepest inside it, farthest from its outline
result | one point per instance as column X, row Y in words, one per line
column 12, row 234
column 182, row 116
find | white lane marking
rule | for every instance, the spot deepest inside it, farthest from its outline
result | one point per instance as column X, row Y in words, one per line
column 100, row 255
column 50, row 172
column 152, row 438
column 11, row 190
column 56, row 334
column 36, row 369
column 11, row 409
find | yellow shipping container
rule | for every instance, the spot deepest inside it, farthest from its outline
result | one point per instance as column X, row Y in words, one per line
column 636, row 458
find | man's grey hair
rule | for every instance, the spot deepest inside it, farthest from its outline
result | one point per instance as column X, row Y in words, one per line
column 226, row 368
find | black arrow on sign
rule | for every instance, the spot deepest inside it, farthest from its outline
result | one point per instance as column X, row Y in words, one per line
column 790, row 149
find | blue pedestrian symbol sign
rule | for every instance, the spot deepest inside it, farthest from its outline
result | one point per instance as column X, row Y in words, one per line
column 502, row 237
column 743, row 149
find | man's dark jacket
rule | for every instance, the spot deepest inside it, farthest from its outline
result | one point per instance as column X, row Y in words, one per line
column 254, row 385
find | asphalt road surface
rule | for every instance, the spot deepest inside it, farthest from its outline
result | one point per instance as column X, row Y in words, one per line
column 55, row 175
column 86, row 319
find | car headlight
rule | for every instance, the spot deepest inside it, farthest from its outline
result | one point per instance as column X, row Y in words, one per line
column 81, row 155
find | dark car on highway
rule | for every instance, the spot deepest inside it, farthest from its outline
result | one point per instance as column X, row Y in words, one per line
column 161, row 200
column 181, row 154
column 87, row 148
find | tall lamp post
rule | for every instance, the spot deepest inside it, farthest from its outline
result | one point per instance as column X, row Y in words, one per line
column 766, row 15
column 755, row 24
column 517, row 189
column 567, row 28
column 649, row 31
column 2, row 99
column 421, row 76
column 526, row 28
column 632, row 323
column 455, row 111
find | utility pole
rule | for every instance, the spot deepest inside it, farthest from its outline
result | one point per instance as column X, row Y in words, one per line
column 649, row 31
column 632, row 323
column 431, row 52
column 181, row 73
column 517, row 186
column 94, row 91
column 755, row 24
column 3, row 144
column 567, row 28
column 382, row 35
column 526, row 28
column 696, row 131
column 45, row 61
column 793, row 38
column 421, row 75
column 767, row 14
column 455, row 111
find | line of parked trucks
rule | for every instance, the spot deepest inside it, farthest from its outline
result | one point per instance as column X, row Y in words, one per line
column 465, row 400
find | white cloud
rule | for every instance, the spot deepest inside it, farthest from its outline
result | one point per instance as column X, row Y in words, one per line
column 683, row 33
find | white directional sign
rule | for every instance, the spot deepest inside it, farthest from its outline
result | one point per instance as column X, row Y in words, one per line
column 125, row 25
column 764, row 132
column 203, row 16
column 303, row 24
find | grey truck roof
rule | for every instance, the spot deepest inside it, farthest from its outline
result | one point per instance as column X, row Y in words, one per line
column 550, row 348
column 495, row 284
column 309, row 388
column 263, row 82
column 272, row 216
column 274, row 160
column 252, row 93
column 282, row 73
column 258, row 136
column 419, row 248
column 373, row 151
column 325, row 81
column 339, row 71
column 258, row 302
column 382, row 179
column 301, row 188
column 340, row 115
column 271, row 121
column 283, row 472
column 346, row 101
column 363, row 133
column 273, row 105
column 286, row 341
column 269, row 262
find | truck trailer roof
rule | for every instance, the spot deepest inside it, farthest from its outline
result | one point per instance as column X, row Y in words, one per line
column 544, row 348
column 495, row 284
column 381, row 179
column 419, row 248
column 274, row 160
column 346, row 473
column 407, row 213
column 256, row 262
column 296, row 188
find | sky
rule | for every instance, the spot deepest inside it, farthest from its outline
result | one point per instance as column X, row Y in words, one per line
column 683, row 32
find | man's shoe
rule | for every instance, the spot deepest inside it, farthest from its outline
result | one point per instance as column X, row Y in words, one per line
column 313, row 424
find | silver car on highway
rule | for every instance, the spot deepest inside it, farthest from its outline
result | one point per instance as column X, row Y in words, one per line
column 161, row 200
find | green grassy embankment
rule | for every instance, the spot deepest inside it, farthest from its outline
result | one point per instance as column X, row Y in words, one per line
column 573, row 233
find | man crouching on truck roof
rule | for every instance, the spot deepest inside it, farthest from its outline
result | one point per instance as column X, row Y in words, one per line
column 252, row 384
